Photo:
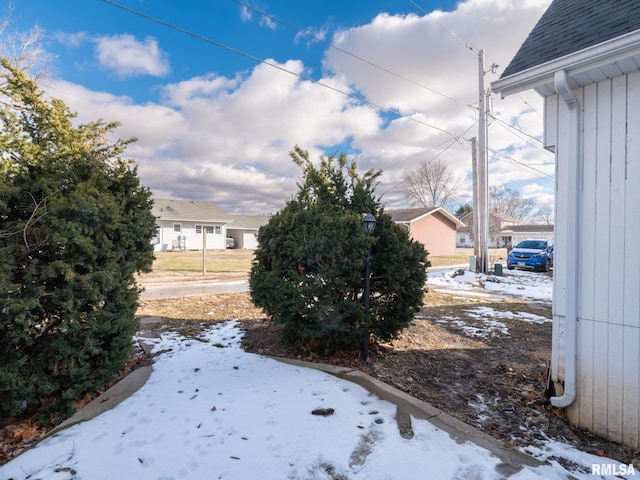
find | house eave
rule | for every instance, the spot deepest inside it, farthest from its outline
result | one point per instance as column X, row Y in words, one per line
column 609, row 59
column 195, row 220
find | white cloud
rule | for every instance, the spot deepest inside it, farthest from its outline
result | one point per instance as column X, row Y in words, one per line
column 532, row 189
column 72, row 40
column 227, row 139
column 311, row 35
column 128, row 57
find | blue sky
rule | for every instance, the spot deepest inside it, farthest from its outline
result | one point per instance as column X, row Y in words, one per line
column 218, row 92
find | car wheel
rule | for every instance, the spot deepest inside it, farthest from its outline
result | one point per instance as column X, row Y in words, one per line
column 510, row 267
column 547, row 266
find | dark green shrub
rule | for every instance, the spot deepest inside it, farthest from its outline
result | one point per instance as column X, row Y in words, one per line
column 75, row 227
column 308, row 271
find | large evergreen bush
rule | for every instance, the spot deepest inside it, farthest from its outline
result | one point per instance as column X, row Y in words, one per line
column 75, row 226
column 308, row 271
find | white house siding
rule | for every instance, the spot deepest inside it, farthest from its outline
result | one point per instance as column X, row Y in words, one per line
column 193, row 240
column 608, row 341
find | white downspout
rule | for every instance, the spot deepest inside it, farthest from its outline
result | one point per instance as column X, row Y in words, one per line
column 571, row 260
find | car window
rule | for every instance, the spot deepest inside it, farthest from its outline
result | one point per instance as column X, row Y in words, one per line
column 525, row 244
column 533, row 244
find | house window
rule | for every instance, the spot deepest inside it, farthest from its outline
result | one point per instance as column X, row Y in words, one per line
column 177, row 228
column 209, row 229
column 463, row 239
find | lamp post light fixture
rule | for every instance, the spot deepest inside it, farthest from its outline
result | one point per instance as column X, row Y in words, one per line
column 369, row 225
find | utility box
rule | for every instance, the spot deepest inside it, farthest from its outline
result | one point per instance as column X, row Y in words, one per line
column 497, row 269
column 473, row 264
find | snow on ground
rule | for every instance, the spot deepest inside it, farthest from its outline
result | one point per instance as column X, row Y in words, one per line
column 488, row 327
column 525, row 284
column 211, row 410
column 528, row 285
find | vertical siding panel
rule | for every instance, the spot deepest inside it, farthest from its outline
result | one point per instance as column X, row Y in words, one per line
column 603, row 158
column 600, row 370
column 631, row 388
column 632, row 203
column 614, row 387
column 586, row 372
column 616, row 257
column 601, row 261
column 587, row 266
column 588, row 206
column 616, row 203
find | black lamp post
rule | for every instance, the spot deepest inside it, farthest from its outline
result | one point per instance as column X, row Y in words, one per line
column 369, row 225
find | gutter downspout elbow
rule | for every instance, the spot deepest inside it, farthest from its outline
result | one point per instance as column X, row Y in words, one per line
column 573, row 238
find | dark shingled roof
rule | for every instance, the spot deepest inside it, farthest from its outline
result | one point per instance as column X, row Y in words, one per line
column 529, row 228
column 409, row 214
column 185, row 210
column 569, row 26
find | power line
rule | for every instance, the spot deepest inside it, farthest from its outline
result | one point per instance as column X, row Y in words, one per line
column 447, row 147
column 346, row 52
column 468, row 45
column 513, row 160
column 455, row 138
column 265, row 62
column 509, row 128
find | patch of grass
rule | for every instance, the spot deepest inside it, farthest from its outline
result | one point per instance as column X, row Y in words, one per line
column 216, row 261
column 462, row 256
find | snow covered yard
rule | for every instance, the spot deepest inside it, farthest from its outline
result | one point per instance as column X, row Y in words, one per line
column 211, row 410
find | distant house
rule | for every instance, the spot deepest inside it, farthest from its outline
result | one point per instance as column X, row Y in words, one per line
column 188, row 225
column 497, row 222
column 517, row 233
column 244, row 230
column 583, row 58
column 434, row 227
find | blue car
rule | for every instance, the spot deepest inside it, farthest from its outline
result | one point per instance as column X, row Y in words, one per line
column 531, row 253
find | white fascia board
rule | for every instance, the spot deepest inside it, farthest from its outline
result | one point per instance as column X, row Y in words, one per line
column 590, row 58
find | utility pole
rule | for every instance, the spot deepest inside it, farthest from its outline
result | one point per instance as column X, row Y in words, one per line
column 481, row 210
column 204, row 250
column 475, row 231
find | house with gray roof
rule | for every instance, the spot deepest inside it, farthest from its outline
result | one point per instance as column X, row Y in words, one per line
column 434, row 227
column 244, row 230
column 583, row 58
column 192, row 225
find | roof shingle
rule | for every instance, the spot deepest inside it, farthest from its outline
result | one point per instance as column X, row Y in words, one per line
column 569, row 26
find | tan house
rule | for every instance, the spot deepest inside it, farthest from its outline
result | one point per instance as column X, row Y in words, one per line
column 434, row 227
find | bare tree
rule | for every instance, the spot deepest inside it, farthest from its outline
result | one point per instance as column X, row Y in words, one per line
column 432, row 184
column 545, row 214
column 24, row 50
column 509, row 201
